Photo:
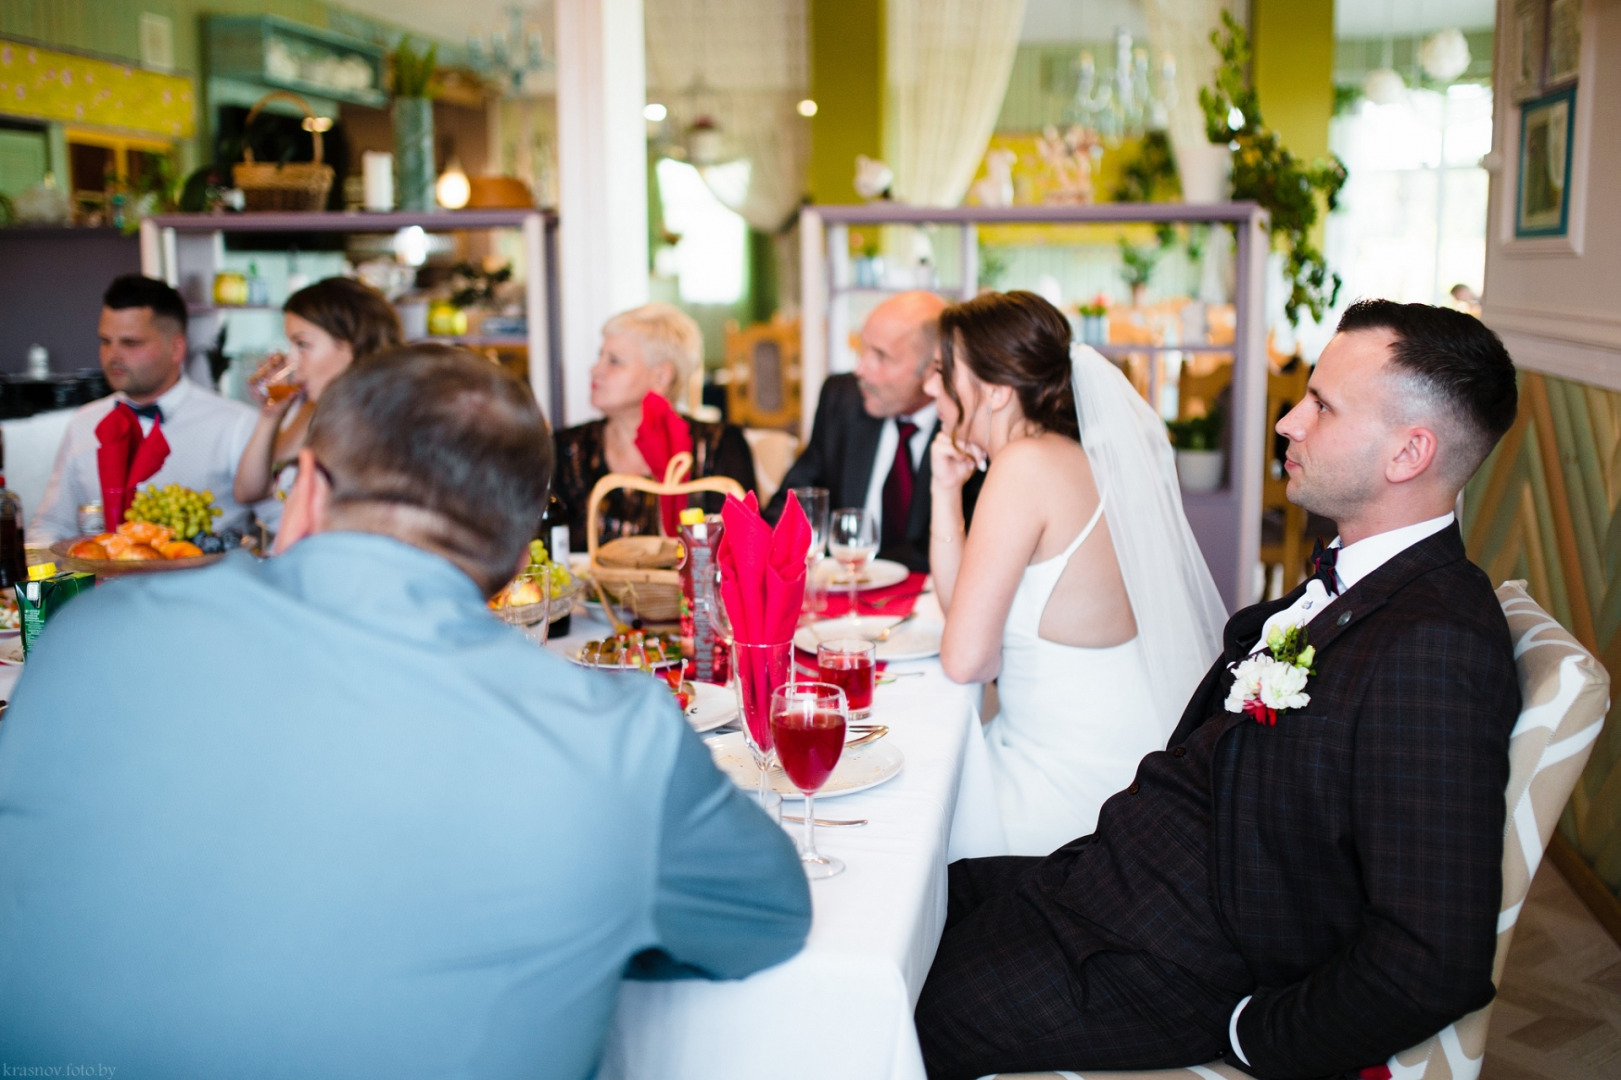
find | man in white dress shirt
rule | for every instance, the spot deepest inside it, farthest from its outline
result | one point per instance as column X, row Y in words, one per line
column 143, row 352
column 864, row 418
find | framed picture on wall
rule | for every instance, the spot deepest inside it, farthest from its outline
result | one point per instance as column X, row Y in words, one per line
column 1564, row 41
column 1528, row 19
column 1547, row 129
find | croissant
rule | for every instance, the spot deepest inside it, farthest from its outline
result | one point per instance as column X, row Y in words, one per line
column 137, row 553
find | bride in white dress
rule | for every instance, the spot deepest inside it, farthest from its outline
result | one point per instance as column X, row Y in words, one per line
column 1080, row 589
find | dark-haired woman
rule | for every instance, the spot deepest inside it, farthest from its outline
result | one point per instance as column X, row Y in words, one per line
column 329, row 325
column 1080, row 588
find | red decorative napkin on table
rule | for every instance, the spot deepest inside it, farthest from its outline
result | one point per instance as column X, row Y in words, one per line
column 661, row 436
column 124, row 458
column 762, row 570
column 898, row 599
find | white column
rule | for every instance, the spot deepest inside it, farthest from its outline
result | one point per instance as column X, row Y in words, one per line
column 602, row 179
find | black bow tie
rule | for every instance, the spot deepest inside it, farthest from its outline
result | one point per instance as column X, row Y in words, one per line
column 1322, row 566
column 149, row 412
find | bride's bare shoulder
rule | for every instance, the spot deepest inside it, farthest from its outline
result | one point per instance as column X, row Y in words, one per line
column 1046, row 455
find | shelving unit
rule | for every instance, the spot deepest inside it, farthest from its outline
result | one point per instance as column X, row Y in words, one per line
column 1227, row 522
column 187, row 250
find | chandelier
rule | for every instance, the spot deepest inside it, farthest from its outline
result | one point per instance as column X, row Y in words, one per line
column 1125, row 101
column 511, row 55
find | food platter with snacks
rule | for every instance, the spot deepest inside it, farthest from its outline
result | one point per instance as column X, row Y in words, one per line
column 635, row 651
column 522, row 601
column 167, row 528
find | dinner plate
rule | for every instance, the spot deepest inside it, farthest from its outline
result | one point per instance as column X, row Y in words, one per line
column 879, row 574
column 859, row 769
column 712, row 707
column 917, row 640
column 11, row 650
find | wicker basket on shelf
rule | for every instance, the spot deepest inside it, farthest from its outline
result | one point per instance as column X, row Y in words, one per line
column 286, row 186
column 639, row 572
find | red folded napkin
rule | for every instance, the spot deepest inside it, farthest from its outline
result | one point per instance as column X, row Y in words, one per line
column 124, row 458
column 662, row 435
column 898, row 599
column 762, row 571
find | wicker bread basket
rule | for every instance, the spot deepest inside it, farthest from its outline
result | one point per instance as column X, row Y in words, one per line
column 289, row 186
column 639, row 572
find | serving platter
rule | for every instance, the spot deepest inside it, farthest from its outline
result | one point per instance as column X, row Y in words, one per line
column 110, row 567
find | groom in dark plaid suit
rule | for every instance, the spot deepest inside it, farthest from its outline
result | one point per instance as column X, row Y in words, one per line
column 1310, row 895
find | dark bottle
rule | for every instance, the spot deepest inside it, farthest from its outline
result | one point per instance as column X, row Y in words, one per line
column 554, row 534
column 13, row 559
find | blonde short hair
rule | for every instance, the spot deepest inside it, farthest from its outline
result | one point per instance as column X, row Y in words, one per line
column 667, row 335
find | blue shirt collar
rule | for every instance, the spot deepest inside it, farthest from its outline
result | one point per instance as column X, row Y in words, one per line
column 386, row 584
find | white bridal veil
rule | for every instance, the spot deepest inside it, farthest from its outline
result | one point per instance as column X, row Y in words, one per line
column 1179, row 613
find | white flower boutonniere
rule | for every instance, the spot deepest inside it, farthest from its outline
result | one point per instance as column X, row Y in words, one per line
column 1273, row 680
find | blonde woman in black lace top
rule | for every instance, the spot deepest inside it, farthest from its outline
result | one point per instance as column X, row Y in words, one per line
column 655, row 347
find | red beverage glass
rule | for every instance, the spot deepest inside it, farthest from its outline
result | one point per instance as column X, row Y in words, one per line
column 807, row 724
column 851, row 664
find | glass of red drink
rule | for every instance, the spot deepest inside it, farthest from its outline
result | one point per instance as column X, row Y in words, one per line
column 850, row 664
column 807, row 725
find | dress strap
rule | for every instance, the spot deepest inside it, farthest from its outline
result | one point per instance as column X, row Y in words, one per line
column 1085, row 532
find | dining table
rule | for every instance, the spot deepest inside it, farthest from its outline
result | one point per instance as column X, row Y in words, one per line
column 843, row 1005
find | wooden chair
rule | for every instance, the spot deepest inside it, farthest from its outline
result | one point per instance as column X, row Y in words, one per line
column 774, row 452
column 762, row 365
column 1564, row 694
column 1283, row 524
column 1199, row 387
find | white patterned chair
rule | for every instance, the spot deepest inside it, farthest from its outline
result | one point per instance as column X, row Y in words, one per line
column 1565, row 693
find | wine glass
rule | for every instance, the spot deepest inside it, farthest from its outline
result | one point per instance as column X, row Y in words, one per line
column 814, row 501
column 854, row 542
column 807, row 721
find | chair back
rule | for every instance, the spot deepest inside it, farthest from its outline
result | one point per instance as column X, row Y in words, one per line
column 1286, row 548
column 1564, row 694
column 1199, row 388
column 763, row 375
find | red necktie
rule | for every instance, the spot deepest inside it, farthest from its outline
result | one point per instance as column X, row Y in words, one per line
column 898, row 486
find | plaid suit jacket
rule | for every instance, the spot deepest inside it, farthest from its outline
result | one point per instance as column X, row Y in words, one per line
column 1344, row 866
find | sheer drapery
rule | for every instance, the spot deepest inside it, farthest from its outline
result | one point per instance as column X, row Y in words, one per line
column 948, row 65
column 747, row 62
column 1182, row 28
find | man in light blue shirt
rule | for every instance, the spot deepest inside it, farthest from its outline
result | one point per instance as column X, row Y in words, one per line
column 324, row 816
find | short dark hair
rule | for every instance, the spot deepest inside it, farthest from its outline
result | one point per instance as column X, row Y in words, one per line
column 1454, row 360
column 442, row 430
column 137, row 291
column 351, row 311
column 1019, row 340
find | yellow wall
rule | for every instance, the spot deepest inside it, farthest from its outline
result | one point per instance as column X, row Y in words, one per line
column 1293, row 71
column 846, row 82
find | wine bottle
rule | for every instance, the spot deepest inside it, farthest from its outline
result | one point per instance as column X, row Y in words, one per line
column 554, row 534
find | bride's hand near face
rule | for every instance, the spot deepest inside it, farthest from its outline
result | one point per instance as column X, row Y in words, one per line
column 950, row 466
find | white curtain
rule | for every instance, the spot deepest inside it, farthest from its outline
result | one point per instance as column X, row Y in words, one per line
column 1182, row 29
column 744, row 63
column 948, row 64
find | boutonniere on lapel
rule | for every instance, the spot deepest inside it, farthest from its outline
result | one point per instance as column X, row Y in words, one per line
column 1272, row 680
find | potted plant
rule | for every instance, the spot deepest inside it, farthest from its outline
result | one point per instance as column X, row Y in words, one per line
column 1094, row 322
column 1264, row 171
column 1199, row 458
column 413, row 88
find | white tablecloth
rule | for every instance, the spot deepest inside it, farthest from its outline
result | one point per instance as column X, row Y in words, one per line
column 843, row 1006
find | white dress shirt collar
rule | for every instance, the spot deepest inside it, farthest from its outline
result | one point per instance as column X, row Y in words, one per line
column 169, row 402
column 1356, row 561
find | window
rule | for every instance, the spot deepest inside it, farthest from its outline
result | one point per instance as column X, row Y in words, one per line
column 711, row 254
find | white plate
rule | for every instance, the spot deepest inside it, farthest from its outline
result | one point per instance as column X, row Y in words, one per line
column 917, row 640
column 11, row 650
column 879, row 574
column 712, row 707
column 857, row 770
